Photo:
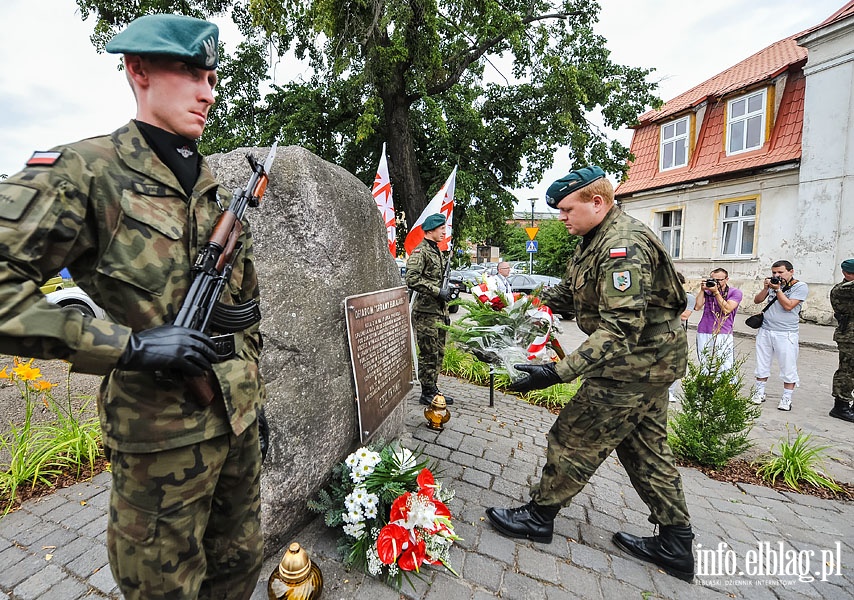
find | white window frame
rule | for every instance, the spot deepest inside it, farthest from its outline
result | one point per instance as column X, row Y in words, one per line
column 736, row 225
column 671, row 235
column 673, row 141
column 745, row 121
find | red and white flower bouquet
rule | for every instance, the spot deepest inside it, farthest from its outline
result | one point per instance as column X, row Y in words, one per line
column 392, row 513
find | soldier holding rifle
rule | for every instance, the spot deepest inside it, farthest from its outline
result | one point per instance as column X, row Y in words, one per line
column 128, row 213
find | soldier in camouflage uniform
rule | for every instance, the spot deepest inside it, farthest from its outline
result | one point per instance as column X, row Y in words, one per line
column 424, row 270
column 842, row 302
column 626, row 295
column 127, row 213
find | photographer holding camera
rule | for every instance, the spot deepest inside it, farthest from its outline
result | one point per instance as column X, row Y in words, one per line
column 719, row 303
column 778, row 335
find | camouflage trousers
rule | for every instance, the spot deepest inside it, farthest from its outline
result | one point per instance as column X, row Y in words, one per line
column 605, row 415
column 431, row 347
column 843, row 379
column 186, row 523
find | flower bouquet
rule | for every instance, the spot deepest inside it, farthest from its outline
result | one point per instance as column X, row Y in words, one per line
column 391, row 510
column 504, row 330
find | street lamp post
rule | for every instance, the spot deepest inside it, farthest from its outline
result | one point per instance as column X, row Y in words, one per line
column 531, row 254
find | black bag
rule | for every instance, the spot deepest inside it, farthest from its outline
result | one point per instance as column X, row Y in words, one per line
column 755, row 321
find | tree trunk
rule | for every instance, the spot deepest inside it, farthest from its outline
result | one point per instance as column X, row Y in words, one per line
column 402, row 163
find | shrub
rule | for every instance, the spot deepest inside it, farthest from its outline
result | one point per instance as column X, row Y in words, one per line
column 796, row 463
column 715, row 420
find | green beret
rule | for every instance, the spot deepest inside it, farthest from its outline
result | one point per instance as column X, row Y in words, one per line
column 848, row 265
column 433, row 221
column 572, row 181
column 191, row 40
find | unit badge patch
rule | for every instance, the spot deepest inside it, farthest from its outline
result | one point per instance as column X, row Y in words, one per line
column 622, row 280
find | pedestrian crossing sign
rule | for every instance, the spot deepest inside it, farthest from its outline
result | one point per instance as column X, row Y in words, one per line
column 531, row 246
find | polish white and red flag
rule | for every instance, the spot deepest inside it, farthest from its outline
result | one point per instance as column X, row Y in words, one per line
column 442, row 202
column 382, row 195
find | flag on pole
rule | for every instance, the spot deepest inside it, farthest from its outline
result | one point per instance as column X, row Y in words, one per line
column 382, row 195
column 442, row 202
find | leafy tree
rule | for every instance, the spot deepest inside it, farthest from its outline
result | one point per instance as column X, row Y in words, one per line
column 414, row 73
column 555, row 248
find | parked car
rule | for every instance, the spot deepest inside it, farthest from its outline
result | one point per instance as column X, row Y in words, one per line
column 528, row 283
column 53, row 284
column 468, row 276
column 75, row 298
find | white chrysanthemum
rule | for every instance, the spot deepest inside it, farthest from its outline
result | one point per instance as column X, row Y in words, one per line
column 354, row 516
column 365, row 469
column 371, row 512
column 363, row 453
column 356, row 476
column 370, row 501
column 352, row 460
column 358, row 495
column 356, row 530
column 373, row 458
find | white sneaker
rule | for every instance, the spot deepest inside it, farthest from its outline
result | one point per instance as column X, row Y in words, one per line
column 785, row 404
column 672, row 397
column 758, row 398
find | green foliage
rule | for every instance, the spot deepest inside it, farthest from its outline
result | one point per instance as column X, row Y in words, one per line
column 494, row 88
column 554, row 397
column 796, row 463
column 40, row 452
column 556, row 247
column 715, row 419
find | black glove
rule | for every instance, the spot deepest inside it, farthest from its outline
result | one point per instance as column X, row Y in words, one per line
column 539, row 377
column 445, row 294
column 169, row 347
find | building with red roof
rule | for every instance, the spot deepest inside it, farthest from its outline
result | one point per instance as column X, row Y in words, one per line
column 756, row 165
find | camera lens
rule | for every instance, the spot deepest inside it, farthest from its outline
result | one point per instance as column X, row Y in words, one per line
column 710, row 283
column 775, row 280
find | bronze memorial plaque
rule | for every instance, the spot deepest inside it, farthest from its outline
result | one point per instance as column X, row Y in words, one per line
column 378, row 330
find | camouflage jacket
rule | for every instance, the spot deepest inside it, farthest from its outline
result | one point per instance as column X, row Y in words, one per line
column 116, row 216
column 842, row 302
column 627, row 298
column 424, row 270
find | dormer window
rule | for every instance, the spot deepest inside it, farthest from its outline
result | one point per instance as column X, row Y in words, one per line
column 746, row 122
column 674, row 144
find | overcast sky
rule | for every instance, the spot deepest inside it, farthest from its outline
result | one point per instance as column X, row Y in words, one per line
column 54, row 87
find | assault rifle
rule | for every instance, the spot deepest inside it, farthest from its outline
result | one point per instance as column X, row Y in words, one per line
column 446, row 276
column 201, row 309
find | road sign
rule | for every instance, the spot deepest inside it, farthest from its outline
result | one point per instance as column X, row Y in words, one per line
column 531, row 246
column 532, row 232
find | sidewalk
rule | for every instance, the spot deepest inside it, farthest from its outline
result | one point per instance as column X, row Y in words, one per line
column 55, row 547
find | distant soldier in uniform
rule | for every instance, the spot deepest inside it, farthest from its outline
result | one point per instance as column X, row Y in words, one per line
column 842, row 302
column 627, row 297
column 127, row 213
column 424, row 270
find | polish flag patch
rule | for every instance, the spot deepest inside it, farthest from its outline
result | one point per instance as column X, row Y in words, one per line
column 43, row 159
column 618, row 252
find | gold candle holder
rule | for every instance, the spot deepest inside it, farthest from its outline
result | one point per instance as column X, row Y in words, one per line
column 437, row 414
column 296, row 578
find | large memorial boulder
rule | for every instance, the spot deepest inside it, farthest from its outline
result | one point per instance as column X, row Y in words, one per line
column 318, row 238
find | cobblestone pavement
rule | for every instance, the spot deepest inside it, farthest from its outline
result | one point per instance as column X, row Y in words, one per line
column 55, row 547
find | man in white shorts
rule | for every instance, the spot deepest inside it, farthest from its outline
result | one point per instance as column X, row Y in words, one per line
column 778, row 335
column 719, row 302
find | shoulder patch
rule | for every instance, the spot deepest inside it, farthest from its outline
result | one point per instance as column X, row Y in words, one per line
column 622, row 280
column 43, row 159
column 15, row 199
column 617, row 252
column 416, row 251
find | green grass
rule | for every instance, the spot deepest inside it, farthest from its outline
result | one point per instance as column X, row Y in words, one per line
column 38, row 453
column 796, row 463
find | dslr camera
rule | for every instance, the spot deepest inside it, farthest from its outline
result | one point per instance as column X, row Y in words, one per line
column 710, row 283
column 774, row 280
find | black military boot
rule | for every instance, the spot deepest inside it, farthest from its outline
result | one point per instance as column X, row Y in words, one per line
column 671, row 549
column 842, row 410
column 532, row 521
column 448, row 399
column 428, row 393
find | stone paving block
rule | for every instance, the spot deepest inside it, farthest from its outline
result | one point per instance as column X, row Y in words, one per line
column 437, row 452
column 88, row 563
column 580, row 581
column 83, row 490
column 590, row 558
column 56, row 537
column 558, row 593
column 518, row 587
column 70, row 589
column 42, row 506
column 488, row 466
column 531, row 561
column 38, row 583
column 36, row 531
column 497, row 546
column 16, row 565
column 65, row 553
column 596, row 537
column 478, row 478
column 483, row 595
column 559, row 547
column 64, row 512
column 613, row 588
column 444, row 587
column 472, row 445
column 758, row 491
column 483, row 571
column 633, row 572
column 16, row 522
column 606, row 521
column 568, row 529
column 95, row 529
column 83, row 518
column 102, row 579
